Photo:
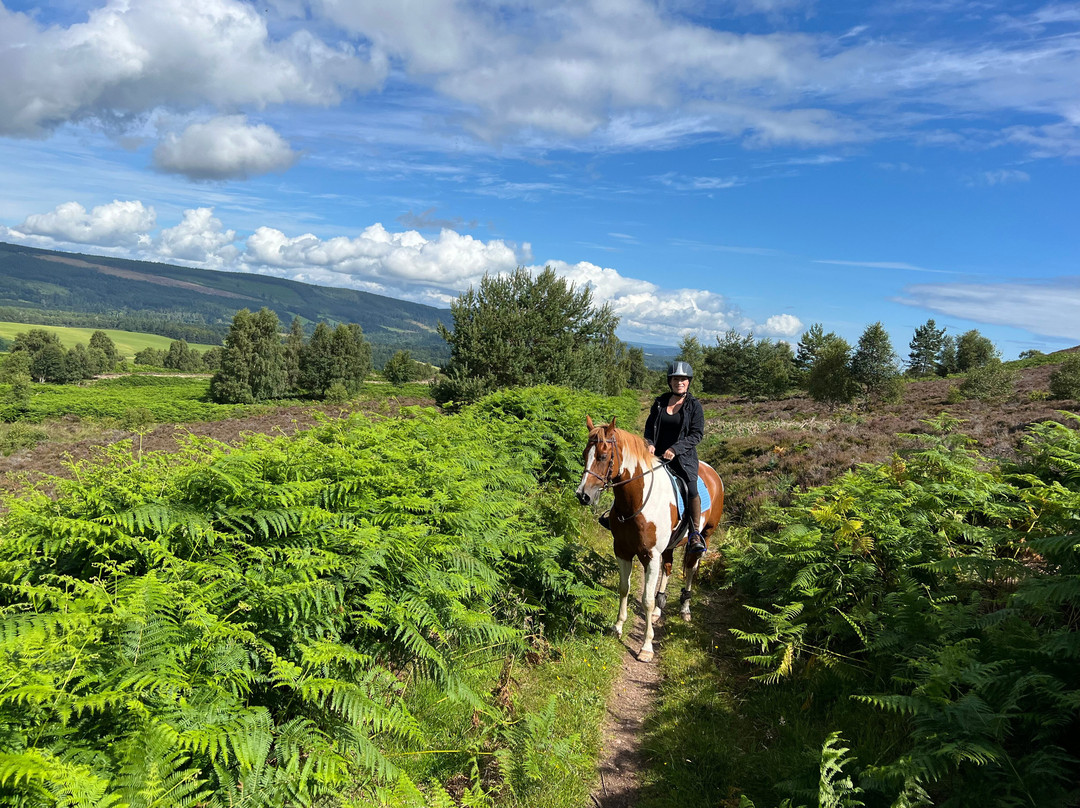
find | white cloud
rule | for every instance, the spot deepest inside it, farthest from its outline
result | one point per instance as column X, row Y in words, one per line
column 648, row 312
column 224, row 148
column 404, row 264
column 199, row 239
column 127, row 59
column 781, row 325
column 1048, row 307
column 883, row 265
column 117, row 224
column 1003, row 176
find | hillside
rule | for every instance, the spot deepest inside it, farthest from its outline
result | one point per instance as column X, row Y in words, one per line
column 55, row 288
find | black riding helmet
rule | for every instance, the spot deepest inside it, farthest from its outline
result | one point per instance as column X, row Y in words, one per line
column 680, row 368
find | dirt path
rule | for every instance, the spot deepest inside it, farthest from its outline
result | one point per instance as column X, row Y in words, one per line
column 632, row 699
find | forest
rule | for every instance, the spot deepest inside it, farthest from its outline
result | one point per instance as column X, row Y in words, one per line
column 393, row 599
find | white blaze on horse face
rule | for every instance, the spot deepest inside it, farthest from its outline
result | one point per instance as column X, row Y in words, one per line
column 588, row 476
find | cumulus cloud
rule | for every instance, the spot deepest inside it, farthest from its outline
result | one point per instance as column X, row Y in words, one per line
column 1048, row 307
column 117, row 224
column 404, row 264
column 129, row 58
column 648, row 312
column 224, row 148
column 199, row 239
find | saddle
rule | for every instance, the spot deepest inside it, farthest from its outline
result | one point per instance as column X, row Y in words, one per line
column 679, row 486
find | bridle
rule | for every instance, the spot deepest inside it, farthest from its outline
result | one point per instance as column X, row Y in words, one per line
column 609, row 482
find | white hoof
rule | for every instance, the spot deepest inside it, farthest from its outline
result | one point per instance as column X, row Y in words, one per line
column 616, row 631
column 645, row 656
column 686, row 617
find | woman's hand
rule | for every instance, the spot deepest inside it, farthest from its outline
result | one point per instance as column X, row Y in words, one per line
column 669, row 455
column 651, row 448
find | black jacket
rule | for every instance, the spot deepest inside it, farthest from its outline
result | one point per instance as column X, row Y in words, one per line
column 691, row 431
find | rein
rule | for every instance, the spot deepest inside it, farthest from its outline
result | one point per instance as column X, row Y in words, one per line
column 608, row 482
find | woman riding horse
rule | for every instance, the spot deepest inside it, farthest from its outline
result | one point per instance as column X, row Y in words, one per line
column 675, row 426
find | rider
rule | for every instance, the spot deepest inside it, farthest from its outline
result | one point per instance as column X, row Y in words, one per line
column 675, row 426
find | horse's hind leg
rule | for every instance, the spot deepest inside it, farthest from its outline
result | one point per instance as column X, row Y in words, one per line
column 690, row 568
column 624, row 593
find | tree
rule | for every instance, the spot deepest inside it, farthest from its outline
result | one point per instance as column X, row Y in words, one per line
column 925, row 349
column 76, row 365
column 153, row 357
column 947, row 361
column 637, row 372
column 211, row 358
column 873, row 365
column 729, row 364
column 180, row 356
column 809, row 346
column 830, row 378
column 973, row 350
column 252, row 361
column 989, row 382
column 400, row 368
column 1065, row 381
column 774, row 369
column 101, row 341
column 520, row 330
column 690, row 350
column 294, row 347
column 351, row 356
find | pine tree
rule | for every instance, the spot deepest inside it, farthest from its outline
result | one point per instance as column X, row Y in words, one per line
column 519, row 330
column 873, row 365
column 729, row 364
column 947, row 360
column 926, row 348
column 808, row 348
column 691, row 350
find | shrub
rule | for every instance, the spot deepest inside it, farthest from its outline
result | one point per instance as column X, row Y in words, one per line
column 1065, row 381
column 989, row 382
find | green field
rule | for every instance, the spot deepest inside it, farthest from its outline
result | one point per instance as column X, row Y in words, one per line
column 127, row 342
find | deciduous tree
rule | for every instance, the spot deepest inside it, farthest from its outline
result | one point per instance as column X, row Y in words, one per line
column 973, row 350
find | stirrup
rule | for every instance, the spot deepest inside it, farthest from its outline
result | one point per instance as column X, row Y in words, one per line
column 695, row 543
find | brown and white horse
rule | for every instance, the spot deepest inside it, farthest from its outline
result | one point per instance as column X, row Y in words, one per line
column 644, row 517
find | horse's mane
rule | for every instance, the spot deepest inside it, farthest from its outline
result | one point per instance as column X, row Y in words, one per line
column 634, row 448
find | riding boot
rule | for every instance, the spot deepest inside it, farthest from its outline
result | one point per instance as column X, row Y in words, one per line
column 694, row 541
column 605, row 520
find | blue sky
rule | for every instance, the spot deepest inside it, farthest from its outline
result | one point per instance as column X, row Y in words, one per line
column 753, row 164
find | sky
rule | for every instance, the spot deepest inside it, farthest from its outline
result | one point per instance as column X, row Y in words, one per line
column 701, row 165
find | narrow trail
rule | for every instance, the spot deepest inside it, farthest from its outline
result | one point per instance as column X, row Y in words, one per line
column 632, row 699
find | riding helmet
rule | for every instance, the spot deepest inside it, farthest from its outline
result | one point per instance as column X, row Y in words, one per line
column 680, row 368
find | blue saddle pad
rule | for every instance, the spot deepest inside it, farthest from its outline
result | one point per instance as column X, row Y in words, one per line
column 680, row 502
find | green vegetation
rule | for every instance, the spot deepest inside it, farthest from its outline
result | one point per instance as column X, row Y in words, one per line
column 925, row 608
column 127, row 343
column 1065, row 381
column 309, row 620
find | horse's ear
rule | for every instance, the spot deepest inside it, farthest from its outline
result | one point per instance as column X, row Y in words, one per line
column 588, row 422
column 613, row 422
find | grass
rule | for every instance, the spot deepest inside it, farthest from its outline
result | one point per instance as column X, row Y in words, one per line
column 127, row 343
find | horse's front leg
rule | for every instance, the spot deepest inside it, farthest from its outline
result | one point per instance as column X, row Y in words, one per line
column 648, row 602
column 624, row 593
column 661, row 587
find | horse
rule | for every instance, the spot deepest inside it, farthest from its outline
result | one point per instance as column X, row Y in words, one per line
column 644, row 519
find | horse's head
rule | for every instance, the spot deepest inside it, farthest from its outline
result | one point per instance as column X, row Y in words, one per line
column 601, row 466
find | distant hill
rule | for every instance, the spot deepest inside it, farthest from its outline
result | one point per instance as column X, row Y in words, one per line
column 48, row 287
